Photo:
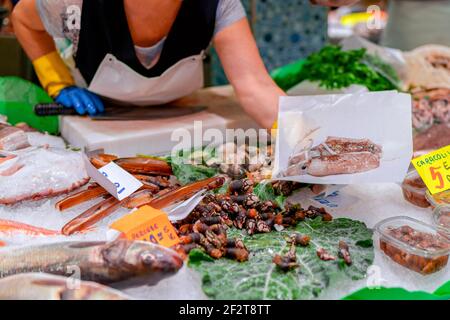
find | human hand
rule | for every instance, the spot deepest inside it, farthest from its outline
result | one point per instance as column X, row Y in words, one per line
column 82, row 100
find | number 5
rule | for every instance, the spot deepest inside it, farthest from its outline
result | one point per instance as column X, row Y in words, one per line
column 437, row 175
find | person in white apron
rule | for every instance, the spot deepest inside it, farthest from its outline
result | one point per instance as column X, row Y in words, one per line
column 110, row 37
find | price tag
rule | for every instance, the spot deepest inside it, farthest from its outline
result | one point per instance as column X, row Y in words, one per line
column 118, row 182
column 434, row 169
column 147, row 224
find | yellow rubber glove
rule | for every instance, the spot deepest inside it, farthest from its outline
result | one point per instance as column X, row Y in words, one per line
column 53, row 73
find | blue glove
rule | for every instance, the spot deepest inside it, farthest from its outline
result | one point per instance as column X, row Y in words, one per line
column 82, row 100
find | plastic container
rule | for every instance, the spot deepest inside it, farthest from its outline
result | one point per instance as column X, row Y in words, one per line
column 413, row 244
column 438, row 199
column 441, row 217
column 414, row 190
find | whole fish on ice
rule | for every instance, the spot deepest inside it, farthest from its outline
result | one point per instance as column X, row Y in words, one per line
column 39, row 172
column 41, row 286
column 131, row 263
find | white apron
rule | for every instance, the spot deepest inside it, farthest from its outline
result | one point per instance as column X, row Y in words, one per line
column 117, row 81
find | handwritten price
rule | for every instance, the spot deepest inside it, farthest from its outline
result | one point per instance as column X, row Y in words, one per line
column 117, row 184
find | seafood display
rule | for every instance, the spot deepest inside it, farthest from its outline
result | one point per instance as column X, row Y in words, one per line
column 39, row 172
column 41, row 286
column 289, row 260
column 431, row 107
column 157, row 191
column 36, row 165
column 124, row 261
column 240, row 208
column 151, row 172
column 335, row 156
column 413, row 244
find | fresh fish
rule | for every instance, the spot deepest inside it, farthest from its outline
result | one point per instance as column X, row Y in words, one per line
column 40, row 172
column 41, row 286
column 130, row 262
column 11, row 228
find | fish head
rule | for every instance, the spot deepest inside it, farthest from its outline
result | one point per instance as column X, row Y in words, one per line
column 159, row 259
column 150, row 261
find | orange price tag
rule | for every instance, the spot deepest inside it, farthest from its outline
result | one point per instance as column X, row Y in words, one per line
column 147, row 224
column 434, row 169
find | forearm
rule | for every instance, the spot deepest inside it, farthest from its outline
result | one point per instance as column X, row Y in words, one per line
column 255, row 89
column 30, row 31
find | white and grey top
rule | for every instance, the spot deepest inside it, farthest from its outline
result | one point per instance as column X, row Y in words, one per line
column 62, row 18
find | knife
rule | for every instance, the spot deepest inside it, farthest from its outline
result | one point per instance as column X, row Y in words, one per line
column 124, row 113
column 53, row 109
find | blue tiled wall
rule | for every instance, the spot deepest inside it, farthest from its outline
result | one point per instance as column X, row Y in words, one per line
column 285, row 30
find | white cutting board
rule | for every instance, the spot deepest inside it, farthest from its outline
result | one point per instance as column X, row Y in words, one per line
column 128, row 138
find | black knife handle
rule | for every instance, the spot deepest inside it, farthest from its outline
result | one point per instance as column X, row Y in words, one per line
column 53, row 109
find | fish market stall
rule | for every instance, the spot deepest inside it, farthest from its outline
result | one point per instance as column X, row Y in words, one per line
column 311, row 212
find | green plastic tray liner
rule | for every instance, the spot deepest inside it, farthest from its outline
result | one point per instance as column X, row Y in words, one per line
column 17, row 100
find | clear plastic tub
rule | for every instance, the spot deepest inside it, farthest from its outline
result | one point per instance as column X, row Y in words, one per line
column 413, row 244
column 438, row 199
column 414, row 190
column 441, row 218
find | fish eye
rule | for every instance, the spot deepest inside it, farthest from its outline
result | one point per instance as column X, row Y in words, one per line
column 148, row 258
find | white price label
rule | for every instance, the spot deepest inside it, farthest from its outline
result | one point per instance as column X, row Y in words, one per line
column 118, row 182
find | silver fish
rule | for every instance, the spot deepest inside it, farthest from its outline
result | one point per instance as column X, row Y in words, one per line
column 42, row 286
column 130, row 262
